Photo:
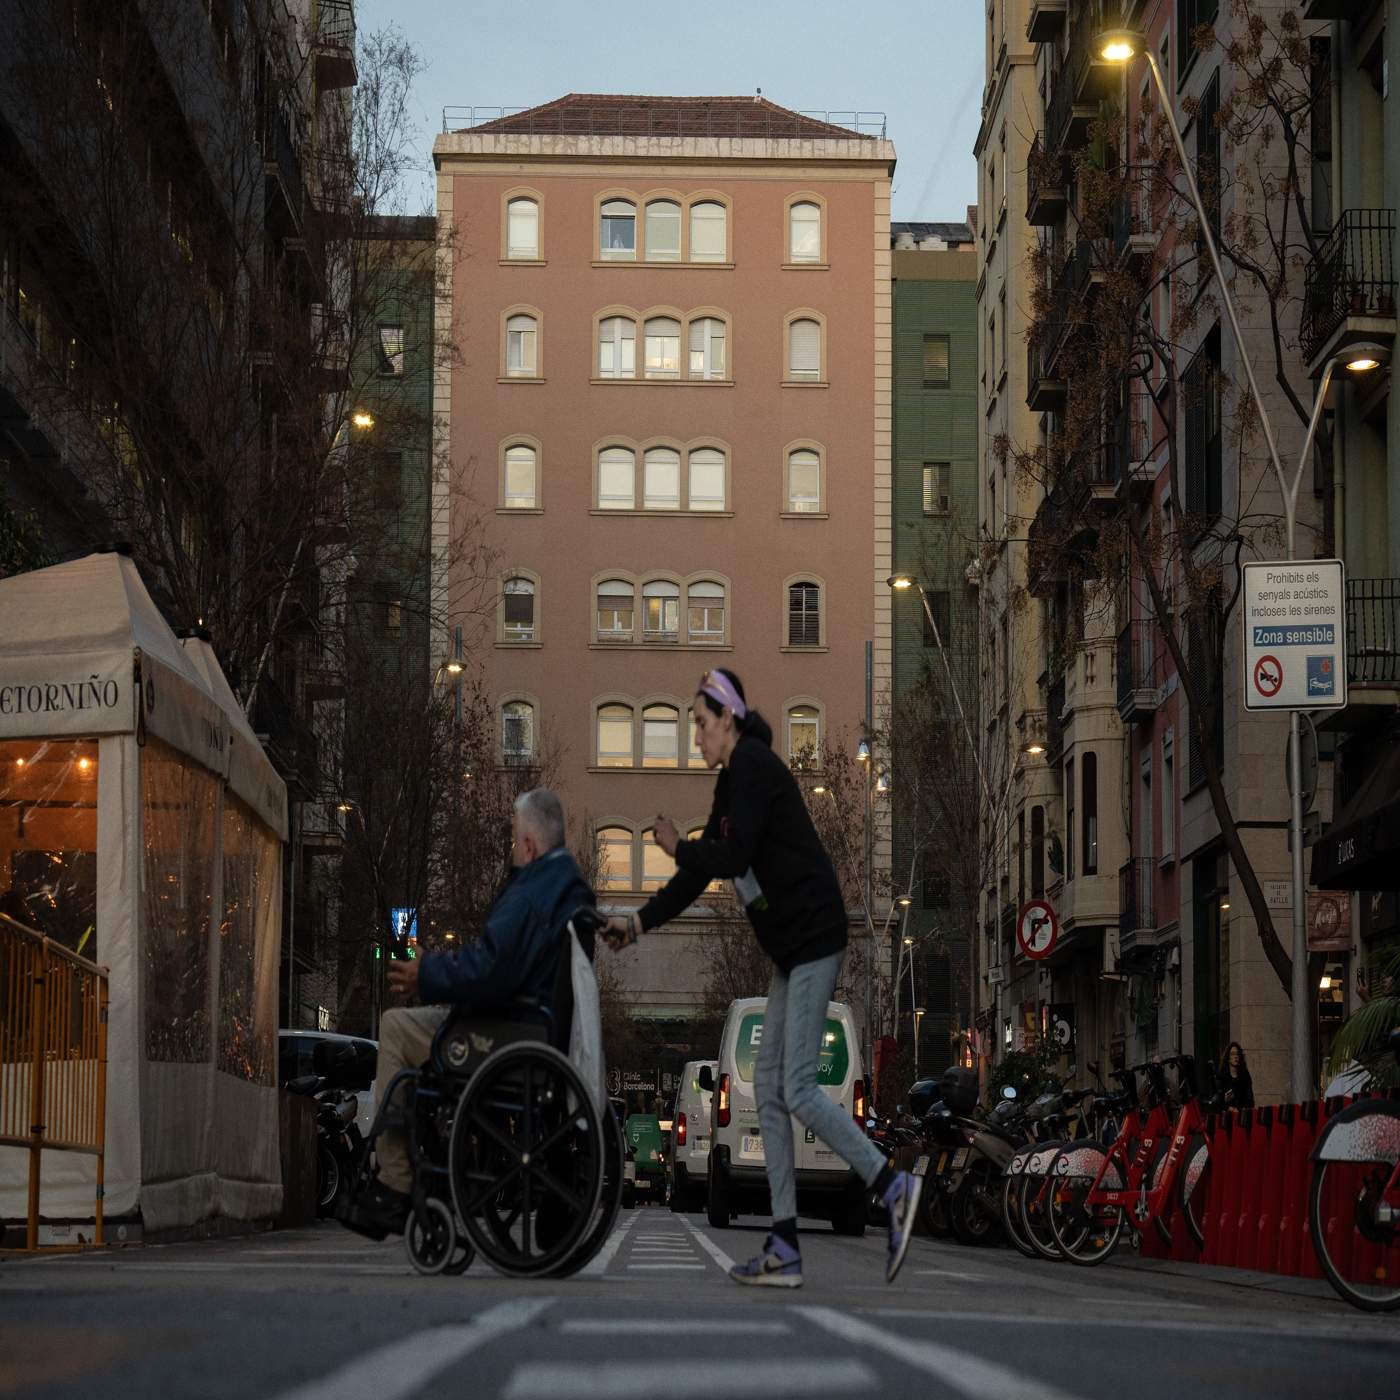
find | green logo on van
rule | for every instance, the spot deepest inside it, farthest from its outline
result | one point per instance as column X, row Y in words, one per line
column 832, row 1068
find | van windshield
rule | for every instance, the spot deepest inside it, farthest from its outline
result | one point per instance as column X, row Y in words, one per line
column 832, row 1068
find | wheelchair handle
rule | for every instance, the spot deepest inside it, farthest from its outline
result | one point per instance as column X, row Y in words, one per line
column 587, row 920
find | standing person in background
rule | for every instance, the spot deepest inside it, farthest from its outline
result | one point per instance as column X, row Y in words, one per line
column 1236, row 1087
column 760, row 836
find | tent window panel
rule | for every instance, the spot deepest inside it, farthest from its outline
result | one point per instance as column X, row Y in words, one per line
column 663, row 231
column 804, row 350
column 520, row 478
column 662, row 484
column 706, row 479
column 617, row 469
column 708, row 232
column 660, row 736
column 614, row 736
column 615, row 611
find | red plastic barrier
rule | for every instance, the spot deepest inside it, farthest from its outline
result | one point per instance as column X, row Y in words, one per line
column 1271, row 1200
column 1257, row 1122
column 1234, row 1187
column 1216, row 1207
column 1293, row 1219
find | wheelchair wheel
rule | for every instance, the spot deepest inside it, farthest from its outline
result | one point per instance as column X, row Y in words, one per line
column 461, row 1259
column 526, row 1159
column 609, row 1200
column 432, row 1246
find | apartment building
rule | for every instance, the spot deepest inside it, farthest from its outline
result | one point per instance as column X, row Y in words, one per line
column 669, row 404
column 934, row 267
column 1349, row 298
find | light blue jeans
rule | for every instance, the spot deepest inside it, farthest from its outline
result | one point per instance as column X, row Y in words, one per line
column 785, row 1082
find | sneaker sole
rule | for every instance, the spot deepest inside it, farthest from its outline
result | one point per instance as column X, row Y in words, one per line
column 768, row 1280
column 893, row 1267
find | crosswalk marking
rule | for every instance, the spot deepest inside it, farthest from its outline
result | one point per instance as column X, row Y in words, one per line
column 598, row 1265
column 638, row 1380
column 701, row 1267
column 693, row 1327
column 709, row 1246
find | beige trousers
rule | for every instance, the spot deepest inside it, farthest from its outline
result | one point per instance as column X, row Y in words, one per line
column 405, row 1038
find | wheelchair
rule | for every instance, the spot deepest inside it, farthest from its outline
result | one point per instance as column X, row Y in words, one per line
column 512, row 1158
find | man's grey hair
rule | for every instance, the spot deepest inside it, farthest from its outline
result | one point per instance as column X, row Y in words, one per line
column 541, row 813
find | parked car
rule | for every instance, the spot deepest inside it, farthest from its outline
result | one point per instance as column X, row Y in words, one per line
column 690, row 1138
column 296, row 1059
column 826, row 1186
column 642, row 1133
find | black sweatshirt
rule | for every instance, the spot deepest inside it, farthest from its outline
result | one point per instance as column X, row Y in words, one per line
column 759, row 821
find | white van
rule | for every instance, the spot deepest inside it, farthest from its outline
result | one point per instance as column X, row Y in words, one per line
column 690, row 1138
column 826, row 1186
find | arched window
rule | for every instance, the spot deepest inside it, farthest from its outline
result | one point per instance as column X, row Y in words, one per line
column 708, row 232
column 617, row 230
column 661, row 614
column 522, row 481
column 661, row 484
column 615, row 605
column 522, row 229
column 803, row 735
column 804, row 614
column 707, row 348
column 518, row 733
column 804, row 481
column 663, row 348
column 519, row 610
column 657, row 866
column 804, row 349
column 614, row 736
column 615, row 858
column 805, row 232
column 693, row 757
column 706, row 479
column 660, row 736
column 617, row 471
column 663, row 231
column 617, row 348
column 521, row 346
column 705, row 606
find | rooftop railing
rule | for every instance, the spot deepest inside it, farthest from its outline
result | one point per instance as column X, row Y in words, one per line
column 661, row 119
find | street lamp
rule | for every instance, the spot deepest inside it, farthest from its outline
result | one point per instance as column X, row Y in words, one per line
column 363, row 419
column 1121, row 46
column 919, row 1013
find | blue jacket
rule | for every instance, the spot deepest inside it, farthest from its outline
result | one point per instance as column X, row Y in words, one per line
column 517, row 953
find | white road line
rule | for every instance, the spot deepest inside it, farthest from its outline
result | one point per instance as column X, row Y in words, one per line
column 638, row 1380
column 969, row 1375
column 953, row 1273
column 709, row 1246
column 598, row 1265
column 651, row 1327
column 402, row 1367
column 701, row 1267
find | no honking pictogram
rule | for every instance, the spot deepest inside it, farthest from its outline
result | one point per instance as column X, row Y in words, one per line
column 1268, row 676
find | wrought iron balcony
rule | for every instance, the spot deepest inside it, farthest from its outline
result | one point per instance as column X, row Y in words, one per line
column 1349, row 287
column 1047, row 184
column 1067, row 119
column 1139, row 664
column 1130, row 445
column 1046, row 21
column 1094, row 77
column 333, row 42
column 1134, row 225
column 1136, row 916
column 1373, row 631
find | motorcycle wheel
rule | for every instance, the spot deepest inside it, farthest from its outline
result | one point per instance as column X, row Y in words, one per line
column 936, row 1211
column 332, row 1178
column 973, row 1210
column 1011, row 1215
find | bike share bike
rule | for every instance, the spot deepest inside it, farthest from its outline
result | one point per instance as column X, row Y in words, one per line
column 1354, row 1203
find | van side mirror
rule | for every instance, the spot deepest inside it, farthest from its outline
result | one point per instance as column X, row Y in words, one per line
column 707, row 1079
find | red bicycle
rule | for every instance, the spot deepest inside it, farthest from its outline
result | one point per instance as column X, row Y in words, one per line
column 1155, row 1169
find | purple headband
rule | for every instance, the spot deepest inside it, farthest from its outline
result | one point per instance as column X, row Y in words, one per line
column 720, row 689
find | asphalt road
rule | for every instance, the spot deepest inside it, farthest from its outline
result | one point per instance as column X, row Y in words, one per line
column 321, row 1314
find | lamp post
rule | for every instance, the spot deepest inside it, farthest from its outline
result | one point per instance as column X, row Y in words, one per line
column 919, row 1013
column 1120, row 46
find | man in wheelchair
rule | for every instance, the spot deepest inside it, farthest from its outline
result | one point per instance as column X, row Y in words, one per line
column 509, row 973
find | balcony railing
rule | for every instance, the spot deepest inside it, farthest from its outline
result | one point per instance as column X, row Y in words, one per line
column 1135, row 916
column 1134, row 227
column 1139, row 655
column 1373, row 631
column 334, row 36
column 1047, row 183
column 648, row 117
column 1353, row 275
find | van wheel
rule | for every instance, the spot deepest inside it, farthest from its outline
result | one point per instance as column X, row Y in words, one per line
column 849, row 1218
column 717, row 1210
column 678, row 1191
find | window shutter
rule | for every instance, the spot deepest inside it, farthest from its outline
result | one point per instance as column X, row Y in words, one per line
column 707, row 232
column 804, row 617
column 805, row 350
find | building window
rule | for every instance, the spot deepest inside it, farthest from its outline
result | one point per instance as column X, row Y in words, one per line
column 522, row 229
column 803, row 736
column 1203, row 445
column 519, row 610
column 518, row 733
column 804, row 615
column 804, row 481
column 936, row 362
column 663, row 231
column 1037, row 852
column 938, row 488
column 805, row 233
column 521, row 477
column 804, row 349
column 707, row 348
column 393, row 616
column 661, row 612
column 615, row 608
column 660, row 736
column 1069, row 820
column 617, row 348
column 1208, row 165
column 705, row 611
column 521, row 347
column 388, row 480
column 940, row 605
column 391, row 351
column 663, row 348
column 1168, row 796
column 614, row 736
column 706, row 479
column 617, row 233
column 615, row 858
column 1089, row 846
column 657, row 866
column 709, row 241
column 661, row 479
column 693, row 757
column 617, row 471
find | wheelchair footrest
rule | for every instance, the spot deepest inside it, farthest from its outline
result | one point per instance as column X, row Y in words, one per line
column 354, row 1218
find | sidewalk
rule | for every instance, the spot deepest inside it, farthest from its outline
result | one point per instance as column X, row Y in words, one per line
column 1238, row 1278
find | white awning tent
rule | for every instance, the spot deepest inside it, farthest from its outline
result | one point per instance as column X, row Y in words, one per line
column 142, row 824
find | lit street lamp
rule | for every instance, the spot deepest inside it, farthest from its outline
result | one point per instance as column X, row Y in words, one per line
column 1121, row 46
column 919, row 1013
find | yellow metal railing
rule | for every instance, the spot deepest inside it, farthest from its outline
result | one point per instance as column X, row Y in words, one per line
column 53, row 1056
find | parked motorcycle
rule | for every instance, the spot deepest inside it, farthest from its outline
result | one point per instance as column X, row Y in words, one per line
column 338, row 1140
